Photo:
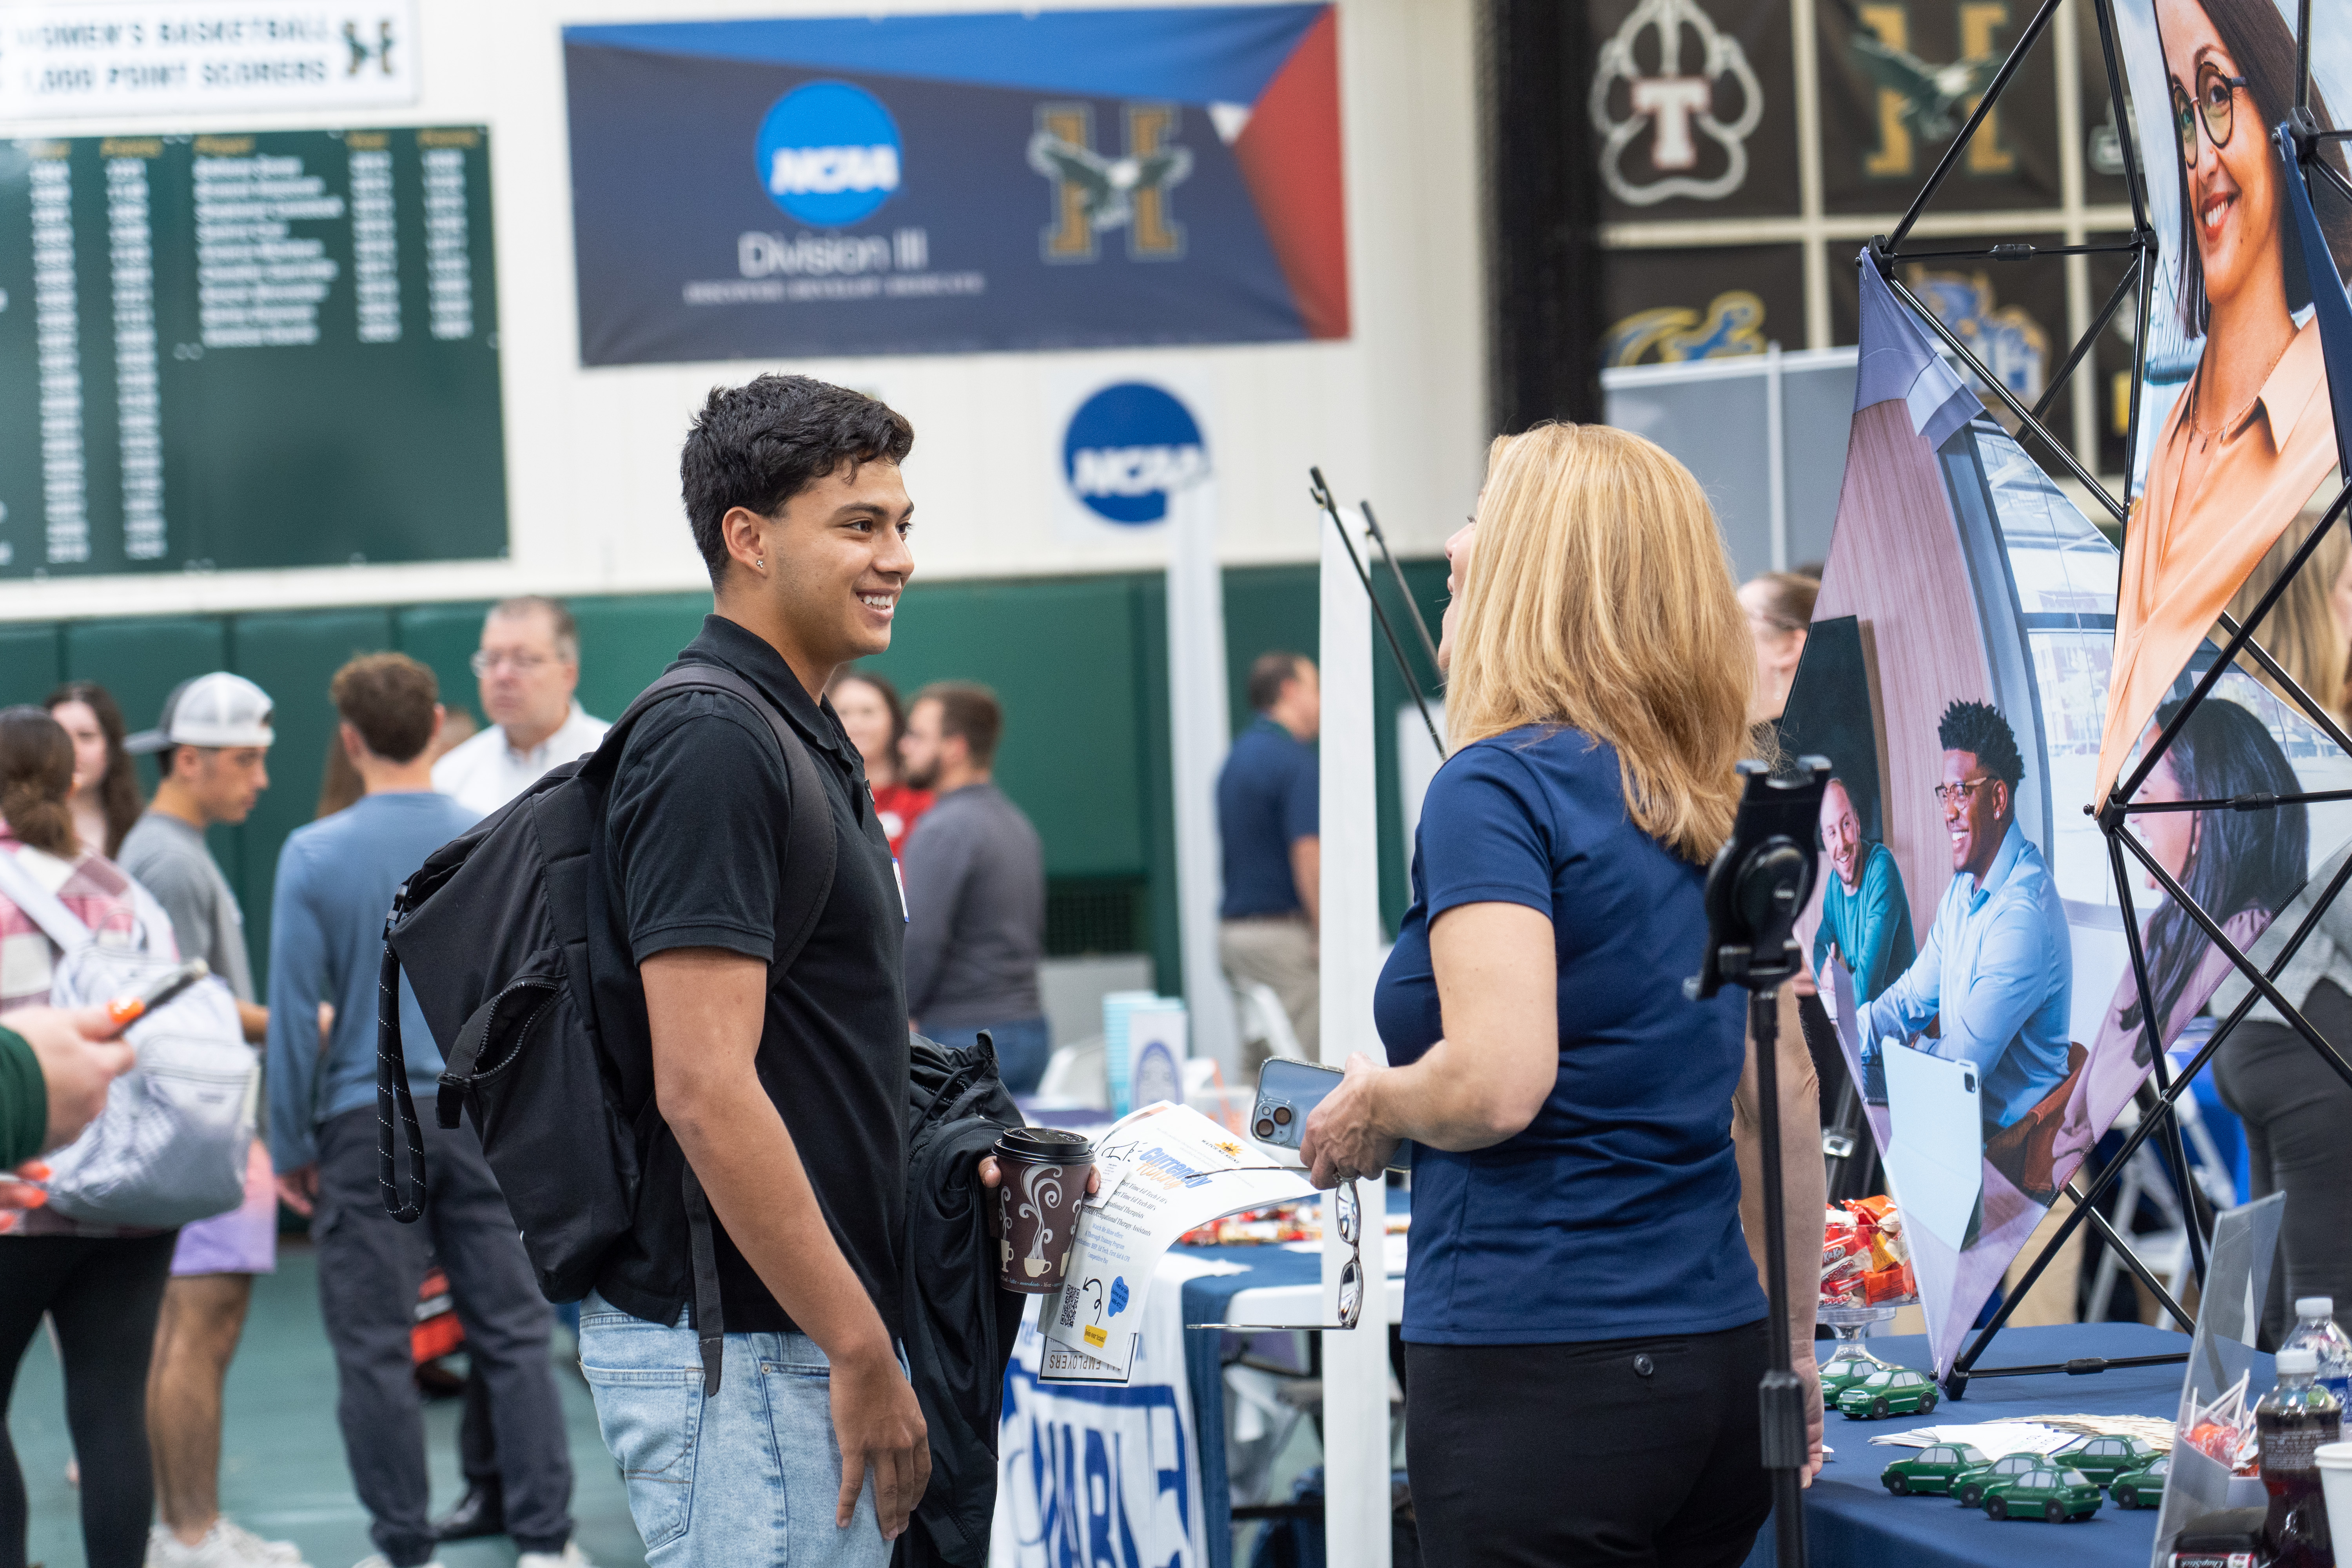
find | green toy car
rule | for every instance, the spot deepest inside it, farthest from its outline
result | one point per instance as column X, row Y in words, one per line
column 1931, row 1471
column 1839, row 1376
column 1894, row 1392
column 1970, row 1485
column 2104, row 1459
column 2141, row 1488
column 2050, row 1492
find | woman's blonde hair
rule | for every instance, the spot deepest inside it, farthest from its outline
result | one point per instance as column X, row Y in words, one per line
column 1599, row 598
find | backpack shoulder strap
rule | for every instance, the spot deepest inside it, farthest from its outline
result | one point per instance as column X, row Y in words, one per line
column 811, row 850
column 812, row 853
column 42, row 907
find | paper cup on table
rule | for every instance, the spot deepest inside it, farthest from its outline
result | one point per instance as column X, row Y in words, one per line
column 2334, row 1461
column 1044, row 1180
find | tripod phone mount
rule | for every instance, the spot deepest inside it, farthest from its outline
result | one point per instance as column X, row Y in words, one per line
column 1759, row 884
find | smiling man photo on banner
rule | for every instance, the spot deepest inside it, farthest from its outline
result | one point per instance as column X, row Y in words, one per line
column 1865, row 916
column 2251, row 437
column 1996, row 971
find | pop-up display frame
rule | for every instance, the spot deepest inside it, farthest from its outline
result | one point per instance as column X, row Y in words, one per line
column 2302, row 134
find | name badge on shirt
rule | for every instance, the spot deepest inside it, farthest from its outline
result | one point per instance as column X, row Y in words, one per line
column 900, row 877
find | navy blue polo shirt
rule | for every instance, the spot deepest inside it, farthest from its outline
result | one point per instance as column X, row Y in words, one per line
column 1266, row 801
column 1615, row 1213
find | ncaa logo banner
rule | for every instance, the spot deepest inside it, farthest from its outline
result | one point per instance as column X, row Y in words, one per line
column 1127, row 444
column 957, row 184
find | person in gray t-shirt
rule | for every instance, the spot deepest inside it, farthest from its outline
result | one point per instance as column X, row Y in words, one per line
column 166, row 855
column 211, row 747
column 974, row 877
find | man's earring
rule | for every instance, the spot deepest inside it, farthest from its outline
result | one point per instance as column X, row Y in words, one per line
column 762, row 564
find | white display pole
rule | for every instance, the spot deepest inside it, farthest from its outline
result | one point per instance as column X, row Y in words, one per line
column 1199, row 732
column 1355, row 1365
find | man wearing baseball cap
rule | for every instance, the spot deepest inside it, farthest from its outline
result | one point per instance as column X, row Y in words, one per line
column 211, row 747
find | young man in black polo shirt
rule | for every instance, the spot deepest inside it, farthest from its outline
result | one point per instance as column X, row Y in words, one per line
column 786, row 1089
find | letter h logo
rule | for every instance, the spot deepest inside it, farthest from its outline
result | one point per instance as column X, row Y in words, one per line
column 1092, row 194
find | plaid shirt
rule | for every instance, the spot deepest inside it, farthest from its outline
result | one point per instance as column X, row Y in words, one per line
column 93, row 887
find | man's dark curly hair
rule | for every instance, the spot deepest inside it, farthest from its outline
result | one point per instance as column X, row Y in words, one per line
column 1978, row 727
column 759, row 445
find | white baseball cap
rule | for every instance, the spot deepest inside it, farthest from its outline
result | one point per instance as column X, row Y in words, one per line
column 215, row 709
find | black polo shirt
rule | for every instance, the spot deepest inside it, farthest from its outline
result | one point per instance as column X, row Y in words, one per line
column 694, row 841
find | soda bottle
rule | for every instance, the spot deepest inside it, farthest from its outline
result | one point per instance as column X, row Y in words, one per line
column 2293, row 1420
column 2317, row 1331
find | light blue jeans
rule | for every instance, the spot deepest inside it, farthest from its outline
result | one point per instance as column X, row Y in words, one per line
column 747, row 1480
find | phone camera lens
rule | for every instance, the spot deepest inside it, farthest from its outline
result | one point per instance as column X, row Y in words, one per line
column 1265, row 1128
column 1282, row 1115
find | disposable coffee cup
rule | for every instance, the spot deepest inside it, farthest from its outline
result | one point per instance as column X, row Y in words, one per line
column 1043, row 1179
column 2334, row 1462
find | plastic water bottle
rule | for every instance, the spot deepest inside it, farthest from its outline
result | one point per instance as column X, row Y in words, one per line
column 2294, row 1419
column 2318, row 1332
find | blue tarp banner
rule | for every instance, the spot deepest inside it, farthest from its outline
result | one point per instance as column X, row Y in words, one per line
column 941, row 184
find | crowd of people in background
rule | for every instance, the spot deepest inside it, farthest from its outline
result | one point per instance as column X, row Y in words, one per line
column 147, row 1323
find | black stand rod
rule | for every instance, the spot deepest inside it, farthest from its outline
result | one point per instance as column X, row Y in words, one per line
column 1977, row 117
column 1783, row 1396
column 2151, row 1034
column 1322, row 494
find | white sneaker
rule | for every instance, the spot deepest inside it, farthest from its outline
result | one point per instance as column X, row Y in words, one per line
column 570, row 1557
column 225, row 1545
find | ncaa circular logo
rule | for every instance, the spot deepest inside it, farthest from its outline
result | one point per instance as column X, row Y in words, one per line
column 1127, row 448
column 828, row 153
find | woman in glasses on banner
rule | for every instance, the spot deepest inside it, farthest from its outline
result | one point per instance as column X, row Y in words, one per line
column 1584, row 1330
column 2252, row 436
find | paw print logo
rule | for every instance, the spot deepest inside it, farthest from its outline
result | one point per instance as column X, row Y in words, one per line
column 1646, row 86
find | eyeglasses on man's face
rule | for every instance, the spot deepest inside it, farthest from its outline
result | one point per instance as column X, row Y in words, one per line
column 2215, row 103
column 1348, row 1213
column 1952, row 795
column 485, row 662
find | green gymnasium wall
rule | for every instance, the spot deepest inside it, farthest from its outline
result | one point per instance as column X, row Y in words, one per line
column 1081, row 664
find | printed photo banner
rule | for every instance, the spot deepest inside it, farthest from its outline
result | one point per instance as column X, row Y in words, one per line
column 957, row 184
column 2237, row 431
column 1967, row 939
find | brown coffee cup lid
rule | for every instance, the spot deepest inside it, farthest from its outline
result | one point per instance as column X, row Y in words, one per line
column 1047, row 1144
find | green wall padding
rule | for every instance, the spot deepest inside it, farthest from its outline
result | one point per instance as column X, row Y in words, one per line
column 32, row 662
column 1060, row 656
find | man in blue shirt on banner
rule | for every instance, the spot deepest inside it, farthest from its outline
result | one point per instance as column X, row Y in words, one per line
column 1269, row 797
column 1997, row 968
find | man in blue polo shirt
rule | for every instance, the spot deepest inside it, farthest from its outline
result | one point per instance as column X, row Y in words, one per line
column 1266, row 806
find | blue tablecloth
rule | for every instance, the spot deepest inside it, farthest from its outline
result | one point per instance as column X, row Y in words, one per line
column 1852, row 1521
column 1205, row 1302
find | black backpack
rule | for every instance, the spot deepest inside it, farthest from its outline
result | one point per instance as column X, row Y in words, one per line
column 493, row 933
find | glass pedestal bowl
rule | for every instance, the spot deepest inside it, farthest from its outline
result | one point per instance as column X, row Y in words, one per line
column 1850, row 1362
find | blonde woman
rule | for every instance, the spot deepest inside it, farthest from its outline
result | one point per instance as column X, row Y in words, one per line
column 1583, row 1327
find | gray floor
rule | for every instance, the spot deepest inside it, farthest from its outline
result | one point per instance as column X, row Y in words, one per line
column 282, row 1471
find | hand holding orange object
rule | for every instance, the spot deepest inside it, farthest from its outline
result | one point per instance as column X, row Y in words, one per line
column 19, row 1190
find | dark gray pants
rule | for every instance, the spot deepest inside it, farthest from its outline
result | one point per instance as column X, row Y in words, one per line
column 369, row 1268
column 2297, row 1113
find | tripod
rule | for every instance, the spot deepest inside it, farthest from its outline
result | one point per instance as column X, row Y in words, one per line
column 1756, row 888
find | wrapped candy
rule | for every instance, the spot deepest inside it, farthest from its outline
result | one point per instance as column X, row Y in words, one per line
column 1865, row 1259
column 1882, row 1285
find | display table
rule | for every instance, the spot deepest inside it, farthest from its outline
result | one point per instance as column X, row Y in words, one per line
column 1137, row 1471
column 1852, row 1521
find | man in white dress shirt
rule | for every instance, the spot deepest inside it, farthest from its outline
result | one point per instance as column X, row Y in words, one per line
column 528, row 665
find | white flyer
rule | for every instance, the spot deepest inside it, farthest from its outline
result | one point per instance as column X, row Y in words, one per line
column 1165, row 1169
